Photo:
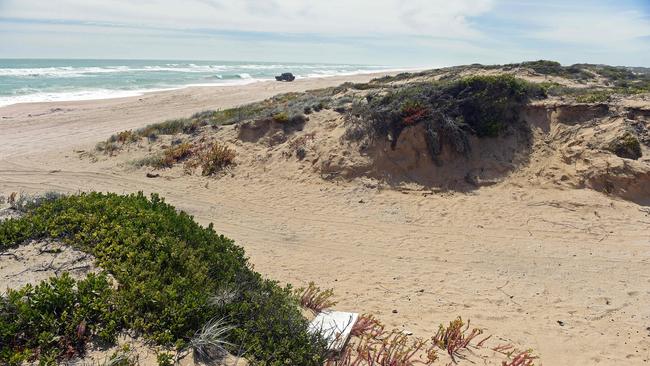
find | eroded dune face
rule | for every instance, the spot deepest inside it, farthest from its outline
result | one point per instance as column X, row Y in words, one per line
column 564, row 145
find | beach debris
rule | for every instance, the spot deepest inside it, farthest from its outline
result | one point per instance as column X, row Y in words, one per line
column 561, row 323
column 335, row 327
column 287, row 76
column 153, row 175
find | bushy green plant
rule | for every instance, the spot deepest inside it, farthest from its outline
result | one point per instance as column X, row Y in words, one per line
column 165, row 359
column 289, row 107
column 450, row 111
column 596, row 96
column 553, row 68
column 613, row 73
column 626, row 146
column 167, row 267
column 56, row 318
column 281, row 117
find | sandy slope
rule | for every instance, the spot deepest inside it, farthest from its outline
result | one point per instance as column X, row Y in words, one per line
column 65, row 124
column 514, row 259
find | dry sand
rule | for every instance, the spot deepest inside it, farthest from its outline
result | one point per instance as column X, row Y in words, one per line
column 565, row 272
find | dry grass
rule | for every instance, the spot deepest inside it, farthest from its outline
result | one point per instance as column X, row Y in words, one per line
column 315, row 299
column 126, row 137
column 372, row 345
column 516, row 357
column 117, row 141
column 209, row 157
column 107, row 147
column 524, row 358
column 212, row 158
column 455, row 337
column 375, row 346
column 175, row 154
column 384, row 348
column 395, row 349
column 367, row 324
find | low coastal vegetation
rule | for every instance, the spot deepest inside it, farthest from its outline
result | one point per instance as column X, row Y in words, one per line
column 448, row 92
column 626, row 146
column 481, row 119
column 553, row 68
column 485, row 106
column 186, row 289
column 209, row 158
column 450, row 107
column 283, row 108
column 618, row 80
column 169, row 279
column 451, row 111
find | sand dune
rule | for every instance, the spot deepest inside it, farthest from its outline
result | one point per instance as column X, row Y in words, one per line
column 563, row 271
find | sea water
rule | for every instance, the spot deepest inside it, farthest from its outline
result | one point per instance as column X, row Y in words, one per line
column 41, row 80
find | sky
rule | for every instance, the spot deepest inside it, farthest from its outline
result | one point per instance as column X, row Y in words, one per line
column 404, row 33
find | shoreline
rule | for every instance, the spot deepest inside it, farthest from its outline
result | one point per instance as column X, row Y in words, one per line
column 95, row 95
column 70, row 124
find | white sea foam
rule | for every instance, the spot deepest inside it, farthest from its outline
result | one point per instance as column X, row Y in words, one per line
column 98, row 94
column 69, row 96
column 68, row 71
column 217, row 75
column 54, row 72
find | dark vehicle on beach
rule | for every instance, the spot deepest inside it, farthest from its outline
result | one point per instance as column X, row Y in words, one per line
column 287, row 76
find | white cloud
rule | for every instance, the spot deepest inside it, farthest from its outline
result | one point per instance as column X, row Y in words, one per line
column 439, row 18
column 593, row 28
column 398, row 32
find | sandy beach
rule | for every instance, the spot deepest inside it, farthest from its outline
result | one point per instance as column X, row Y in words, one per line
column 563, row 271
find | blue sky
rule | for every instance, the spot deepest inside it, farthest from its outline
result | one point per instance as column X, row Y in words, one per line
column 383, row 32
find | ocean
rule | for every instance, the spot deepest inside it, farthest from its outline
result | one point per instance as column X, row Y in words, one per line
column 40, row 80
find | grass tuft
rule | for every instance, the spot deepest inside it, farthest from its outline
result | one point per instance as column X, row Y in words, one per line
column 212, row 158
column 454, row 338
column 209, row 344
column 367, row 324
column 25, row 202
column 315, row 299
column 524, row 358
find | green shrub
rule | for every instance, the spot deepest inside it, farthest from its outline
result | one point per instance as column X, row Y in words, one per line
column 626, row 146
column 281, row 117
column 450, row 111
column 57, row 318
column 289, row 107
column 614, row 74
column 597, row 96
column 168, row 268
column 545, row 67
column 165, row 359
column 553, row 68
